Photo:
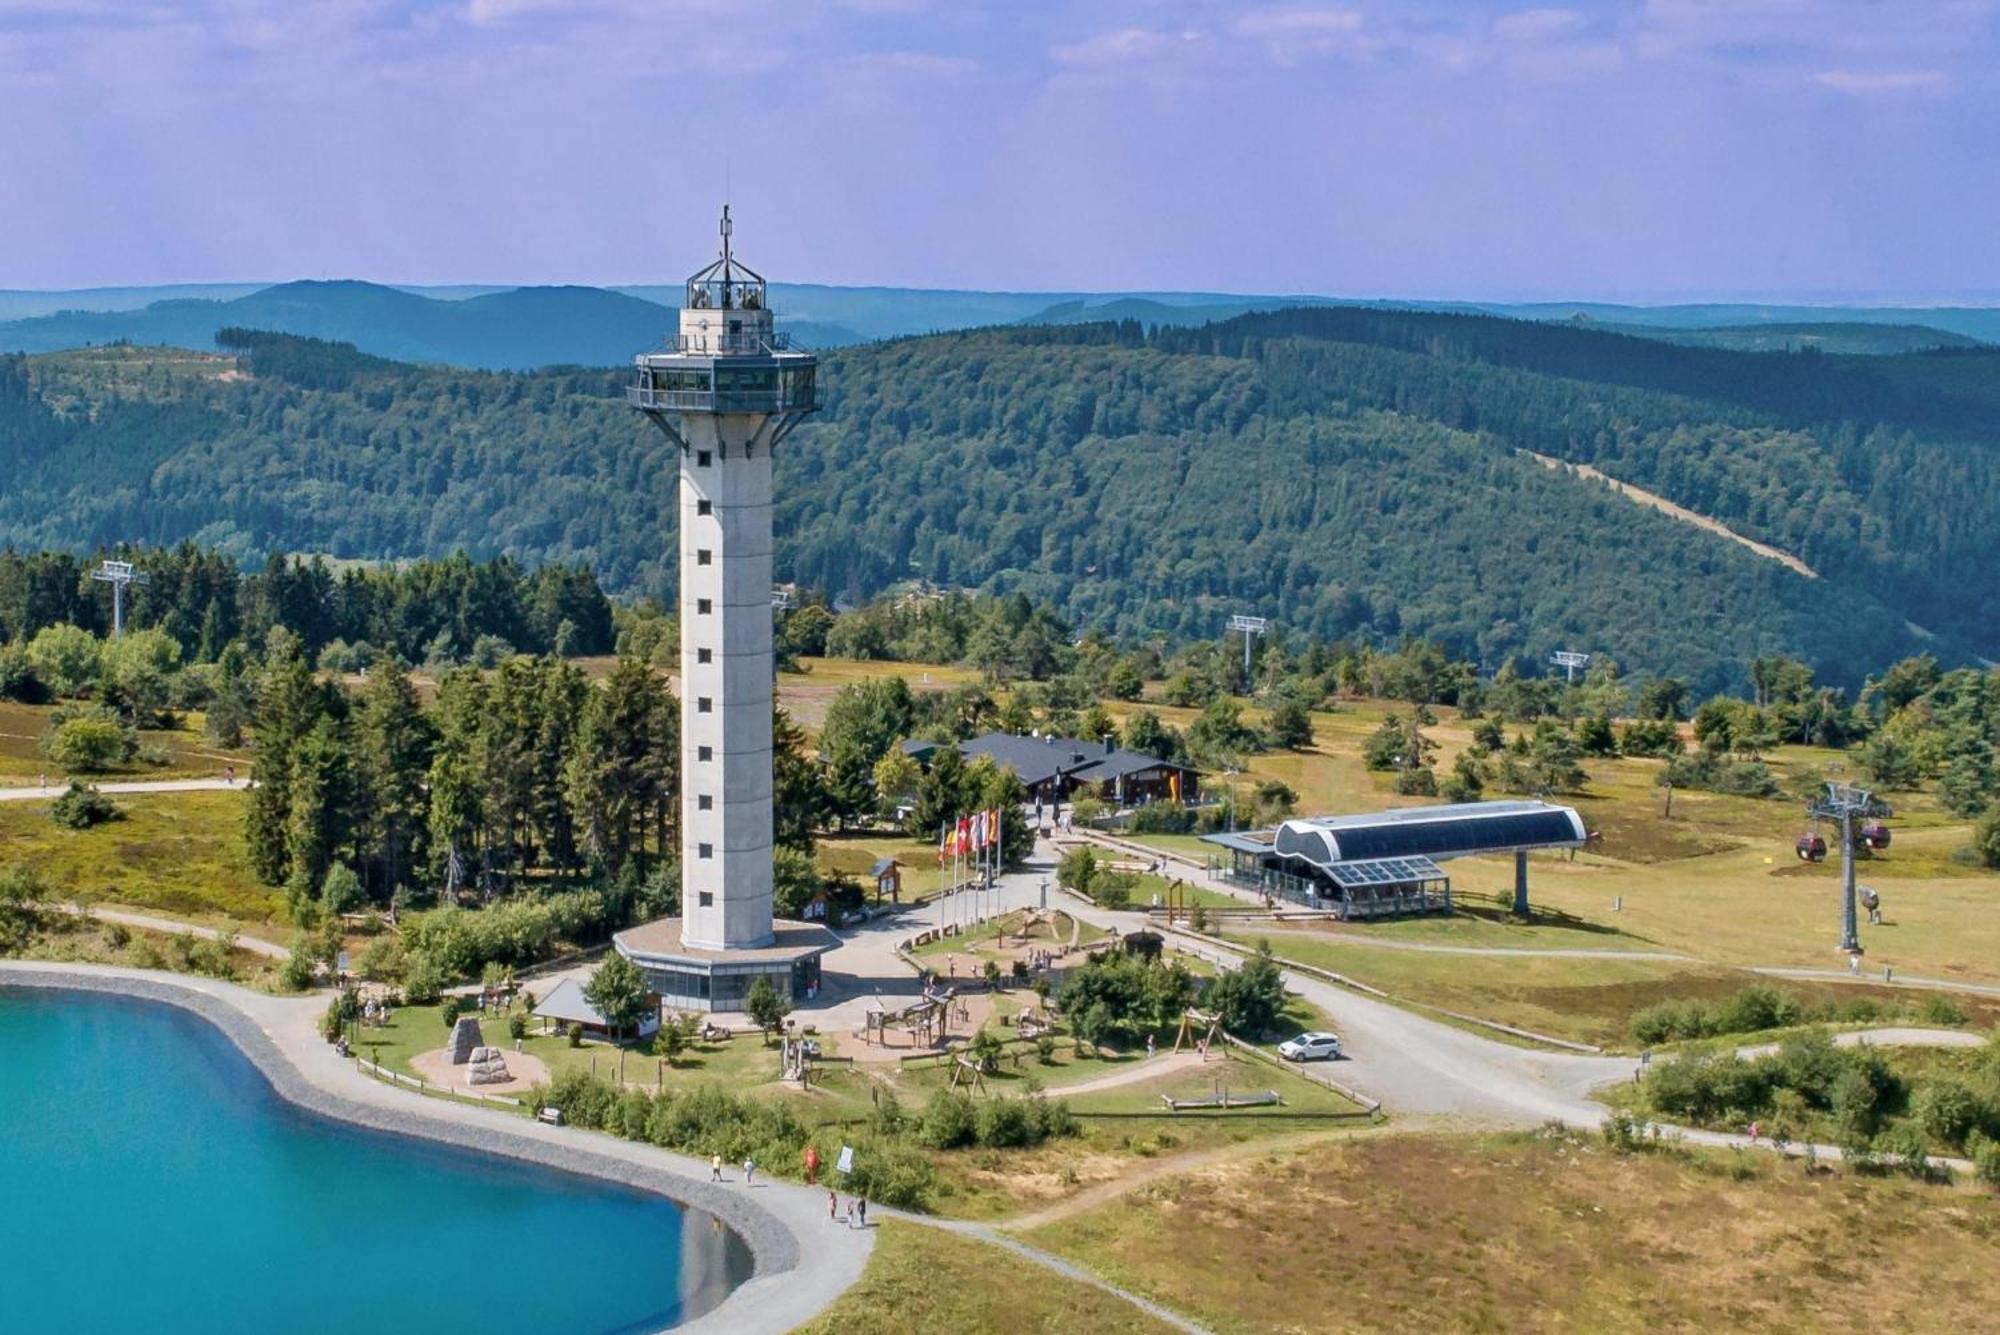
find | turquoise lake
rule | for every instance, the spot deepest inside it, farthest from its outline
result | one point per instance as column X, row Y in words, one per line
column 150, row 1179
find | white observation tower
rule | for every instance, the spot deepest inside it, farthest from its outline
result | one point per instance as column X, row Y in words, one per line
column 726, row 393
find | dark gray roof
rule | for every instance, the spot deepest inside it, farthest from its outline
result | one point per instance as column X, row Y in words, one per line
column 1038, row 759
column 566, row 1005
column 1448, row 830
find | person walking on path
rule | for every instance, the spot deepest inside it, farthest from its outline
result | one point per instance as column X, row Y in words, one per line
column 749, row 1169
column 715, row 1169
column 832, row 1206
column 862, row 1210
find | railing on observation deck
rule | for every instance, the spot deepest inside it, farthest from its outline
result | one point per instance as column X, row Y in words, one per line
column 718, row 401
column 737, row 342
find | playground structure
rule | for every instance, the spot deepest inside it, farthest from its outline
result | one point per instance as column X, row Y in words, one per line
column 1199, row 1030
column 928, row 1020
column 969, row 1072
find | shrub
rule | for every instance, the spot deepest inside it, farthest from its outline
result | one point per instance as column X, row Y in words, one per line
column 384, row 961
column 81, row 807
column 154, row 755
column 1114, row 891
column 517, row 1025
column 1943, row 1012
column 423, row 980
column 575, row 1035
column 1986, row 1162
column 1045, row 1049
column 89, row 739
column 1007, row 1124
column 117, row 935
column 297, row 973
column 1163, row 818
column 949, row 1121
column 1946, row 1111
column 448, row 1011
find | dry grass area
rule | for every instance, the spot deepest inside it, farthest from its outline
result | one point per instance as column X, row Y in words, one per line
column 1432, row 1233
column 1588, row 1000
column 927, row 1279
column 805, row 694
column 180, row 853
column 21, row 762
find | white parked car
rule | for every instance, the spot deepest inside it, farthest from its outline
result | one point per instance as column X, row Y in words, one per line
column 1310, row 1048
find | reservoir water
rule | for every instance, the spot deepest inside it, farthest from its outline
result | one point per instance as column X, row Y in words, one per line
column 150, row 1179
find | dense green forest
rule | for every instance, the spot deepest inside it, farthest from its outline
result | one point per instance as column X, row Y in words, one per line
column 1349, row 471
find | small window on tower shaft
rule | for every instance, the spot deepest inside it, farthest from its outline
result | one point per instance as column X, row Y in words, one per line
column 704, row 753
column 704, row 655
column 704, row 507
column 701, row 458
column 703, row 606
column 704, row 850
column 703, row 557
column 708, row 899
column 704, row 705
column 704, row 803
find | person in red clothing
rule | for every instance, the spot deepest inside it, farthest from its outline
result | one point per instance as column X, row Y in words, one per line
column 812, row 1165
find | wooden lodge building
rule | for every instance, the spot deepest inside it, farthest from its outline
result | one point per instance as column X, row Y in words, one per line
column 1055, row 769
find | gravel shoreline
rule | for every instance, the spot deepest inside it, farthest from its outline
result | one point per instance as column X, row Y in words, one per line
column 772, row 1242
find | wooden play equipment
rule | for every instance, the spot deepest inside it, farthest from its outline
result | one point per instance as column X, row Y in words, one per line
column 928, row 1020
column 1198, row 1030
column 970, row 1072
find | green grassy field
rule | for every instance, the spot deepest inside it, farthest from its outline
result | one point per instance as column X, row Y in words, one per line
column 923, row 1278
column 178, row 853
column 1433, row 1233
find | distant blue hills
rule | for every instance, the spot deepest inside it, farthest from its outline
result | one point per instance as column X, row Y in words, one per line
column 521, row 328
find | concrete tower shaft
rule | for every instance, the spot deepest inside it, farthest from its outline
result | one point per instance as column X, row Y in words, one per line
column 726, row 657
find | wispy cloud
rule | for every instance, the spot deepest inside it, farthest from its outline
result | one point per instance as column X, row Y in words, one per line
column 1870, row 83
column 1121, row 46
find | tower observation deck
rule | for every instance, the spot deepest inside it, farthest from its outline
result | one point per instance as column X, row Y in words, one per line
column 726, row 392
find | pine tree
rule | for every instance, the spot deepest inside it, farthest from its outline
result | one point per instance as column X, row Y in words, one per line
column 392, row 755
column 288, row 705
column 319, row 815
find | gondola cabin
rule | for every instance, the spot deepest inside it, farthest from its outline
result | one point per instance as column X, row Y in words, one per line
column 1875, row 835
column 1812, row 848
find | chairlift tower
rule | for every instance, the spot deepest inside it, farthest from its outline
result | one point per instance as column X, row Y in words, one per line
column 726, row 392
column 119, row 574
column 1569, row 661
column 1842, row 803
column 1251, row 627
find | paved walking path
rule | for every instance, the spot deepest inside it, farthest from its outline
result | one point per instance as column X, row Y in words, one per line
column 172, row 926
column 1888, row 1036
column 34, row 792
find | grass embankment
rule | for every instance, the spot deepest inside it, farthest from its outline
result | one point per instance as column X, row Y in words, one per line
column 178, row 853
column 69, row 939
column 927, row 1279
column 1428, row 1233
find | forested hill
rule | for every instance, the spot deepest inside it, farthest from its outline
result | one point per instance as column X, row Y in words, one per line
column 1344, row 470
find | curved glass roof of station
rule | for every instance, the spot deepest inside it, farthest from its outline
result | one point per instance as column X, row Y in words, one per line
column 1444, row 831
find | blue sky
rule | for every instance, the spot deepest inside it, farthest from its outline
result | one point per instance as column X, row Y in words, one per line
column 1644, row 149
